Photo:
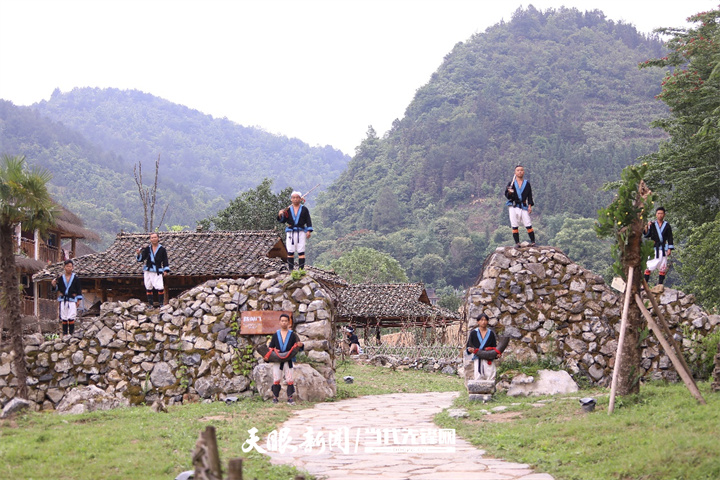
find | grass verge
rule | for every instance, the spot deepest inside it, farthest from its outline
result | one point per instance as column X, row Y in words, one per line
column 661, row 433
column 138, row 443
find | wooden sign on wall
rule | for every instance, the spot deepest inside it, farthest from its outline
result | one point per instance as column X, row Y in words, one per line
column 261, row 322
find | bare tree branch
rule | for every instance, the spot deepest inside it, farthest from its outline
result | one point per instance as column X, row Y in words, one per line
column 148, row 197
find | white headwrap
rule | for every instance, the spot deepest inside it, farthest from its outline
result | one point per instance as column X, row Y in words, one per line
column 296, row 193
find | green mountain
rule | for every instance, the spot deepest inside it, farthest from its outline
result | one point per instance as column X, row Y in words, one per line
column 197, row 150
column 90, row 139
column 557, row 91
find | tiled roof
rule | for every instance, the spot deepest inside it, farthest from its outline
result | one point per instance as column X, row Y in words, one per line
column 26, row 264
column 327, row 277
column 389, row 301
column 240, row 253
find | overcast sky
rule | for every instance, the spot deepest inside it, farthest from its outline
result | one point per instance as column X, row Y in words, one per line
column 318, row 70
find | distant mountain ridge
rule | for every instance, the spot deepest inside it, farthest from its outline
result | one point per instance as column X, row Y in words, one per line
column 90, row 138
column 213, row 154
column 558, row 91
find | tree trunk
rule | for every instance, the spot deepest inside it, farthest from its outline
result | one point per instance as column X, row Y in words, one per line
column 630, row 369
column 10, row 301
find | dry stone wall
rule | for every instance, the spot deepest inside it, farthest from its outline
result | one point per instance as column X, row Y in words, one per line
column 551, row 306
column 188, row 349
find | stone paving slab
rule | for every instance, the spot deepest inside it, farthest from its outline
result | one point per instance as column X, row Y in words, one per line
column 346, row 434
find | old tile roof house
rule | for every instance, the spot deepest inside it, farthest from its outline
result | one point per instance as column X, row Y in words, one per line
column 390, row 305
column 196, row 257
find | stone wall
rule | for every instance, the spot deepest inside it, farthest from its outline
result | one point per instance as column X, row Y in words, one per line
column 187, row 349
column 551, row 306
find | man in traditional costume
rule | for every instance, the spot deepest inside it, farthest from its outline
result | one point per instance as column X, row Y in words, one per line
column 156, row 266
column 285, row 344
column 520, row 202
column 660, row 232
column 297, row 217
column 481, row 339
column 70, row 293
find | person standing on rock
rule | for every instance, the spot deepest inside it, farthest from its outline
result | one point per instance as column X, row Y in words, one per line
column 659, row 232
column 284, row 340
column 299, row 229
column 520, row 202
column 482, row 338
column 70, row 293
column 156, row 266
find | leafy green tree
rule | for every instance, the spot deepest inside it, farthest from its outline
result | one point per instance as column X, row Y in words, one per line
column 623, row 221
column 685, row 170
column 366, row 265
column 429, row 268
column 387, row 215
column 24, row 198
column 450, row 298
column 255, row 209
column 578, row 239
column 699, row 265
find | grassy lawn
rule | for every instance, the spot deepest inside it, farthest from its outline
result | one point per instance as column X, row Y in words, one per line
column 660, row 434
column 138, row 443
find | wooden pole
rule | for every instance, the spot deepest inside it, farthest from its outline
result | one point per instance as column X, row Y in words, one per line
column 213, row 454
column 684, row 374
column 621, row 340
column 235, row 469
column 664, row 325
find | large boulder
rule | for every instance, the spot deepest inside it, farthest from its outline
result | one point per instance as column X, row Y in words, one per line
column 14, row 405
column 88, row 399
column 310, row 385
column 549, row 382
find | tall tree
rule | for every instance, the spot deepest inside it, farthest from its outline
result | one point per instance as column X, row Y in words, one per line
column 24, row 199
column 686, row 169
column 254, row 209
column 623, row 220
column 367, row 265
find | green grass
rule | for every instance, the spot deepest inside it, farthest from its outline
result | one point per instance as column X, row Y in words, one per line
column 370, row 380
column 133, row 442
column 662, row 433
column 138, row 443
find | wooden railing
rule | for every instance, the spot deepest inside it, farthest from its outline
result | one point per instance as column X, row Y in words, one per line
column 46, row 253
column 47, row 309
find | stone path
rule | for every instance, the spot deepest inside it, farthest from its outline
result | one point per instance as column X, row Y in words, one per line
column 353, row 430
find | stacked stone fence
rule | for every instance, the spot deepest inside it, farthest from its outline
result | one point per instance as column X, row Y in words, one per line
column 189, row 349
column 551, row 306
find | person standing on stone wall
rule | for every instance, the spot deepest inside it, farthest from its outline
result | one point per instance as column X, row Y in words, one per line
column 659, row 232
column 70, row 293
column 520, row 202
column 156, row 266
column 482, row 338
column 299, row 229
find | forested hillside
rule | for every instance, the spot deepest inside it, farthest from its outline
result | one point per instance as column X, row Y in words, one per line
column 558, row 91
column 202, row 152
column 90, row 139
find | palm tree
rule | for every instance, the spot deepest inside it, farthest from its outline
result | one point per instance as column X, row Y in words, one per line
column 24, row 198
